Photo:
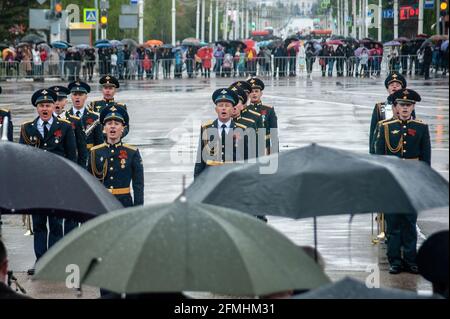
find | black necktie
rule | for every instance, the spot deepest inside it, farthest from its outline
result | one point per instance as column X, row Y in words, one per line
column 224, row 126
column 45, row 129
column 78, row 114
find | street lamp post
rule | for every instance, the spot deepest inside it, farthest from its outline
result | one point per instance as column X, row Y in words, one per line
column 354, row 19
column 225, row 30
column 141, row 21
column 216, row 33
column 174, row 22
column 395, row 19
column 203, row 20
column 197, row 25
column 210, row 21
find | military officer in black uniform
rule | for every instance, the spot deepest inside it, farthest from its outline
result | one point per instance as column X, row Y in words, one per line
column 62, row 92
column 110, row 85
column 116, row 164
column 269, row 120
column 220, row 140
column 6, row 113
column 408, row 139
column 384, row 110
column 54, row 135
column 90, row 120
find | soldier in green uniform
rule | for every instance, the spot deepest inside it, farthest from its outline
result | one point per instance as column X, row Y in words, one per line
column 109, row 88
column 115, row 164
column 90, row 120
column 221, row 141
column 62, row 92
column 408, row 139
column 246, row 112
column 269, row 120
column 384, row 110
column 6, row 113
column 54, row 135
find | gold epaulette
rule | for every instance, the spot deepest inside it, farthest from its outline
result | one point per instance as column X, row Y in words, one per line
column 384, row 121
column 248, row 120
column 269, row 106
column 98, row 147
column 418, row 121
column 27, row 122
column 254, row 112
column 240, row 125
column 5, row 110
column 131, row 147
column 74, row 117
column 390, row 122
column 207, row 124
column 92, row 112
column 64, row 120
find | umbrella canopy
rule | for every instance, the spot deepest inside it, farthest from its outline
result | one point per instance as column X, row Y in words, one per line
column 402, row 39
column 337, row 37
column 82, row 46
column 223, row 43
column 249, row 43
column 3, row 46
column 103, row 45
column 116, row 43
column 289, row 40
column 167, row 46
column 191, row 42
column 154, row 43
column 295, row 45
column 59, row 45
column 44, row 46
column 38, row 182
column 32, row 38
column 422, row 35
column 438, row 37
column 131, row 43
column 392, row 44
column 7, row 51
column 318, row 181
column 263, row 44
column 335, row 42
column 359, row 50
column 182, row 247
column 237, row 43
column 349, row 288
column 101, row 41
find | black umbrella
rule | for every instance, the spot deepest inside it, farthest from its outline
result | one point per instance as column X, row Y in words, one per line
column 337, row 37
column 319, row 181
column 37, row 182
column 289, row 40
column 32, row 38
column 225, row 44
column 236, row 43
column 166, row 46
column 349, row 288
column 3, row 46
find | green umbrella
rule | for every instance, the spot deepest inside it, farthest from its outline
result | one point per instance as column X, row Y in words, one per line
column 182, row 247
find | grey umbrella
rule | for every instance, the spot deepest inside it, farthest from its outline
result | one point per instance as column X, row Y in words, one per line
column 37, row 182
column 318, row 181
column 130, row 43
column 182, row 247
column 349, row 288
column 32, row 38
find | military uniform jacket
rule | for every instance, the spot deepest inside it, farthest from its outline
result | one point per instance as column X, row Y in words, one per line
column 60, row 139
column 268, row 121
column 405, row 139
column 117, row 166
column 212, row 151
column 3, row 114
column 80, row 137
column 88, row 119
column 98, row 105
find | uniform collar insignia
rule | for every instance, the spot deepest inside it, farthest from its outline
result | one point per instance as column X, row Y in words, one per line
column 113, row 109
column 108, row 78
column 395, row 132
column 44, row 92
column 395, row 76
column 224, row 92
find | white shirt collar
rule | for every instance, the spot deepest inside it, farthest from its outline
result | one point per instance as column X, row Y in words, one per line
column 219, row 123
column 40, row 122
column 82, row 110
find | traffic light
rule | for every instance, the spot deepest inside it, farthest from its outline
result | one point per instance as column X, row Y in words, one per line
column 58, row 9
column 104, row 19
column 444, row 6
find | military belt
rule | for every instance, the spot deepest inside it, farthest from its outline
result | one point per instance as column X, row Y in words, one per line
column 120, row 191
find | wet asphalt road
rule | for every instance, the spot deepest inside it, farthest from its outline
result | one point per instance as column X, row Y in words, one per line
column 166, row 118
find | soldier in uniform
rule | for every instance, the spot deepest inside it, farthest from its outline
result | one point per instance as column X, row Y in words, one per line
column 110, row 85
column 269, row 120
column 384, row 110
column 116, row 164
column 408, row 139
column 90, row 120
column 220, row 140
column 6, row 113
column 246, row 112
column 62, row 92
column 54, row 135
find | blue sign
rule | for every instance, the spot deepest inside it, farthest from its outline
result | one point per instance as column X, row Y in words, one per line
column 90, row 15
column 388, row 14
column 134, row 1
column 429, row 4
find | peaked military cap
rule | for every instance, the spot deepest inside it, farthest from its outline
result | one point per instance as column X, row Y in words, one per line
column 240, row 93
column 256, row 83
column 114, row 113
column 79, row 86
column 109, row 80
column 43, row 96
column 432, row 258
column 406, row 95
column 61, row 91
column 226, row 95
column 243, row 85
column 395, row 77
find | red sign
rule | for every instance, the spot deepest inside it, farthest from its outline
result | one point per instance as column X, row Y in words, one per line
column 408, row 12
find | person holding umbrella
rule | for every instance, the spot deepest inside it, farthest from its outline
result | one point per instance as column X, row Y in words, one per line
column 90, row 120
column 109, row 84
column 54, row 135
column 115, row 164
column 408, row 139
